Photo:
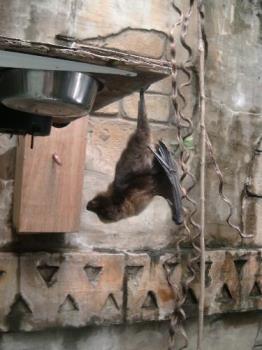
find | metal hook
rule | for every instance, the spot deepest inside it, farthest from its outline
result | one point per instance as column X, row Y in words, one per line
column 57, row 159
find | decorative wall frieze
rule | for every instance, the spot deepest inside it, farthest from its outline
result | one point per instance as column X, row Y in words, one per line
column 43, row 290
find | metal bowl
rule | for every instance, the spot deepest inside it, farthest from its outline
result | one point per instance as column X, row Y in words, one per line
column 59, row 94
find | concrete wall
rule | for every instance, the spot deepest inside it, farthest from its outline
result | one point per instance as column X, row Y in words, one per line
column 243, row 332
column 234, row 123
column 233, row 112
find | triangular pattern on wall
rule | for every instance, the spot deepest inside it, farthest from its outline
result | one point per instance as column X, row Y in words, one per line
column 191, row 297
column 255, row 291
column 93, row 273
column 68, row 305
column 150, row 302
column 134, row 271
column 225, row 295
column 48, row 272
column 2, row 273
column 20, row 306
column 170, row 267
column 111, row 304
column 239, row 264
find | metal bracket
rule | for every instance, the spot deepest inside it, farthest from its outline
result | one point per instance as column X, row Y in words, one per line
column 10, row 59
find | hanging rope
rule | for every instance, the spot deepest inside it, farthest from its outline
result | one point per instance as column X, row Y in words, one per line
column 201, row 48
column 184, row 129
column 221, row 191
column 194, row 232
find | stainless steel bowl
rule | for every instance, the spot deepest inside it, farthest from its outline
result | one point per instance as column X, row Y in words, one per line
column 59, row 94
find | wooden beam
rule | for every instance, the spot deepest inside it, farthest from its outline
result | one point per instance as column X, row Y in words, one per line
column 47, row 195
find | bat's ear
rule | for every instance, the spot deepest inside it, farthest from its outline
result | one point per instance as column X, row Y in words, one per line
column 88, row 206
column 91, row 205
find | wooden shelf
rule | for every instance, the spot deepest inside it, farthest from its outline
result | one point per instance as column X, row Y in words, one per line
column 115, row 87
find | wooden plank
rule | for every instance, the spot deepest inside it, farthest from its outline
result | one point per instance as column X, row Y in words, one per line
column 115, row 87
column 47, row 195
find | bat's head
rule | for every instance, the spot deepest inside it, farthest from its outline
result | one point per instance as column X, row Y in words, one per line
column 104, row 207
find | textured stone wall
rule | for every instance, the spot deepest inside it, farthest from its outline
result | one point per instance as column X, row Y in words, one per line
column 241, row 331
column 44, row 290
column 233, row 111
column 139, row 26
column 115, row 273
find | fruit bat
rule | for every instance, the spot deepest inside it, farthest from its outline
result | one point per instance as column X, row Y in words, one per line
column 140, row 174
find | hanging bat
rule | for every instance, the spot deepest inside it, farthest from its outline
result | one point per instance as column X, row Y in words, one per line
column 141, row 173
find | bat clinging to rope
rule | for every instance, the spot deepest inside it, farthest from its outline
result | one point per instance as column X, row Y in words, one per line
column 141, row 173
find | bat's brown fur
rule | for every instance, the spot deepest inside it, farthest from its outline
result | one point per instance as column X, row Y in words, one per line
column 138, row 177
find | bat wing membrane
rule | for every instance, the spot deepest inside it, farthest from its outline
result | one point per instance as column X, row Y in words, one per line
column 169, row 167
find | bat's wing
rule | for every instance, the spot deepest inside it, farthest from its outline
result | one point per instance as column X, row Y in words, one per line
column 169, row 167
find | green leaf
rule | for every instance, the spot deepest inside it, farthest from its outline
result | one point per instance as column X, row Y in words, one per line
column 189, row 142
